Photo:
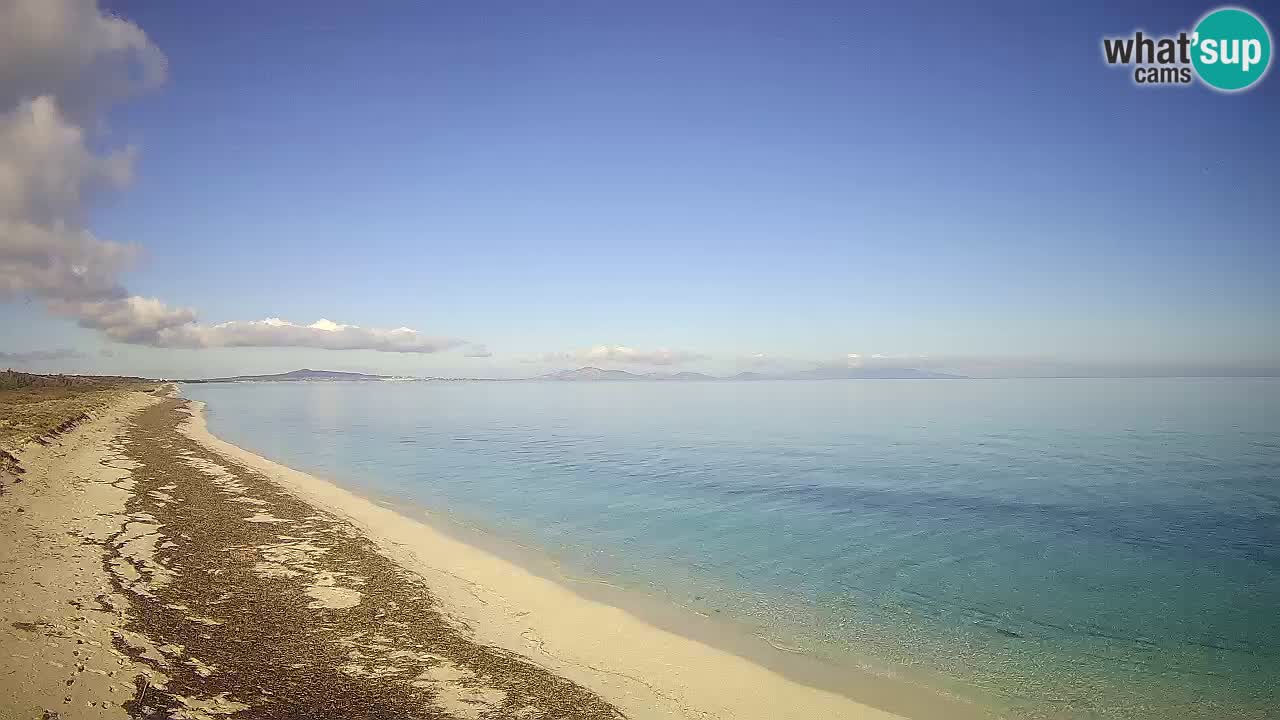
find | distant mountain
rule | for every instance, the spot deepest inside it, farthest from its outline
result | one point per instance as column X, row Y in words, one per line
column 304, row 375
column 590, row 374
column 751, row 376
column 684, row 375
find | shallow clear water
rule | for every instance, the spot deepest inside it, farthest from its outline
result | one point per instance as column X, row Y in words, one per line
column 1074, row 548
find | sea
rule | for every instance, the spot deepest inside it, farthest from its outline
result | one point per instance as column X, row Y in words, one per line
column 1038, row 548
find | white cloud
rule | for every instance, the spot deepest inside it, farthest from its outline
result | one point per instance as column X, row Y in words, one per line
column 56, row 54
column 70, row 50
column 60, row 262
column 134, row 320
column 62, row 62
column 46, row 172
column 46, row 169
column 623, row 354
column 477, row 351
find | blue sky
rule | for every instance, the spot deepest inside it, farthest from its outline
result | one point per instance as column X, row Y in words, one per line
column 965, row 182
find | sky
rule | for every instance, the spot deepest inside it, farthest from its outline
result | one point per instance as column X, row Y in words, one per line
column 500, row 189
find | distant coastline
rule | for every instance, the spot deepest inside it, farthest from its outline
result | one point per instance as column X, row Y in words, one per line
column 594, row 374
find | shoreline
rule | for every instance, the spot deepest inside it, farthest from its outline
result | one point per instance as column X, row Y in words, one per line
column 517, row 598
column 147, row 577
column 146, row 560
column 849, row 677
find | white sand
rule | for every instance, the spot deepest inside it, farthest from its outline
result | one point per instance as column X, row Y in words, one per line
column 58, row 612
column 646, row 671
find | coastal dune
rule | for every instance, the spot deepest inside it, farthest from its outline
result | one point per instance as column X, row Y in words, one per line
column 153, row 570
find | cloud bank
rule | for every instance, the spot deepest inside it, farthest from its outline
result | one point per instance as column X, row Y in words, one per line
column 39, row 356
column 322, row 334
column 763, row 361
column 622, row 354
column 148, row 321
column 62, row 64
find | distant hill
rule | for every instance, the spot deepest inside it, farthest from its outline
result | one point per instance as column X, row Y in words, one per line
column 595, row 374
column 304, row 375
column 685, row 375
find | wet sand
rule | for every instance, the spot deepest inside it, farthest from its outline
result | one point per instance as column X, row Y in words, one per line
column 158, row 572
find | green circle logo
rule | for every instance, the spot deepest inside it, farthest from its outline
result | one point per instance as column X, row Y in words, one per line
column 1232, row 49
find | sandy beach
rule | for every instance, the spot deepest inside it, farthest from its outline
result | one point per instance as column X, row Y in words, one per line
column 153, row 570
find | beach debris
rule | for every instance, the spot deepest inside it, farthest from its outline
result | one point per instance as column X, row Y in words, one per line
column 239, row 609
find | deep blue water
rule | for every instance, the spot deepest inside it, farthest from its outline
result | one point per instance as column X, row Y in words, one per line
column 1078, row 548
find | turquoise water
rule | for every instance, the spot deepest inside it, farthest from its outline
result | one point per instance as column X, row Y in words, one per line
column 1056, row 548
